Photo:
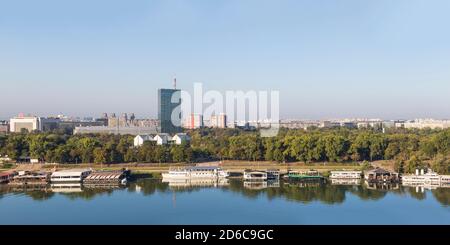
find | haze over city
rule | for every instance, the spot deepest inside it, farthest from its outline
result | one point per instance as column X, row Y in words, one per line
column 329, row 59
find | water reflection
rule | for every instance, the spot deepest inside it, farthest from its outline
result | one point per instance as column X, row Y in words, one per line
column 328, row 192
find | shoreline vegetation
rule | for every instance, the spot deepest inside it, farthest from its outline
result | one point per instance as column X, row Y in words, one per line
column 399, row 150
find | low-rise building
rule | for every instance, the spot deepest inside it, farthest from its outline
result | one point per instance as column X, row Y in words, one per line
column 180, row 138
column 142, row 138
column 162, row 139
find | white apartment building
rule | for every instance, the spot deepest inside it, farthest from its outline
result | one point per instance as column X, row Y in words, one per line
column 29, row 123
column 218, row 121
column 194, row 121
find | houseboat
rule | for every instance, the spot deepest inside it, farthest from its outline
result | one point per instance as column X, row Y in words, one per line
column 429, row 178
column 345, row 174
column 7, row 177
column 70, row 175
column 380, row 175
column 255, row 175
column 30, row 178
column 106, row 177
column 273, row 174
column 302, row 174
column 195, row 172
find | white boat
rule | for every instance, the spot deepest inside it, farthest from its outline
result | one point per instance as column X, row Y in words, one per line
column 346, row 174
column 273, row 174
column 70, row 175
column 195, row 172
column 430, row 178
column 255, row 175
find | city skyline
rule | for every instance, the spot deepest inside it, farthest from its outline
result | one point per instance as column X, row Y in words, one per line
column 330, row 59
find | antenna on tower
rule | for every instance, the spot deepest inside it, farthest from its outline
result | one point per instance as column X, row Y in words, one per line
column 175, row 82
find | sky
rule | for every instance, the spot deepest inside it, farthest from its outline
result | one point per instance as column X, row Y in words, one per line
column 327, row 58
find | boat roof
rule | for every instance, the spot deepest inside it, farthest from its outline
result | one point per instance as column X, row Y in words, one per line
column 66, row 172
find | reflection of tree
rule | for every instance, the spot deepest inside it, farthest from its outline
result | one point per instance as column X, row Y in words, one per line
column 150, row 186
column 40, row 195
column 300, row 192
column 88, row 193
column 417, row 194
column 367, row 194
column 442, row 195
column 304, row 192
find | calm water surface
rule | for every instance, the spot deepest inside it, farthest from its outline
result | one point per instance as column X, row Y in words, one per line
column 151, row 201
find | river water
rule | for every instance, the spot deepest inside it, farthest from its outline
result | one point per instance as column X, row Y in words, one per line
column 152, row 201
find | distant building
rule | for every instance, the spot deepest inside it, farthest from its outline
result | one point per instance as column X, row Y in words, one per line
column 71, row 125
column 348, row 124
column 115, row 130
column 162, row 139
column 370, row 124
column 329, row 124
column 168, row 101
column 4, row 127
column 218, row 121
column 21, row 123
column 32, row 123
column 425, row 123
column 194, row 121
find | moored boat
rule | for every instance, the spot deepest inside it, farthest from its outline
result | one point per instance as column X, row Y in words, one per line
column 304, row 174
column 70, row 175
column 273, row 174
column 195, row 172
column 255, row 175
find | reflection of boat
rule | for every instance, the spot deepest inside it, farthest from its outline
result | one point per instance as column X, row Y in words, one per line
column 345, row 181
column 305, row 182
column 196, row 182
column 102, row 186
column 273, row 183
column 255, row 185
column 195, row 172
column 303, row 174
column 255, row 175
column 381, row 186
column 66, row 187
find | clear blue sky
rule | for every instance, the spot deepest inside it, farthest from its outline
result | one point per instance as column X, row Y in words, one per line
column 328, row 58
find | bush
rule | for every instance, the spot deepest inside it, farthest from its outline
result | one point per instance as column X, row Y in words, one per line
column 7, row 165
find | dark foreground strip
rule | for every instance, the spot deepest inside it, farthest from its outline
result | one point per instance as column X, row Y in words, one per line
column 429, row 235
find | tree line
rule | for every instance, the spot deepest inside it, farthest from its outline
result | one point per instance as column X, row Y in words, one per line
column 409, row 149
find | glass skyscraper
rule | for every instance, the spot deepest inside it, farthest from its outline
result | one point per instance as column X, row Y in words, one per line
column 168, row 101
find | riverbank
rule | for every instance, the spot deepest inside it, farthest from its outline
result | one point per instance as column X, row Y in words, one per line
column 232, row 166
